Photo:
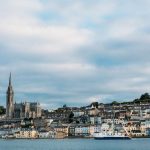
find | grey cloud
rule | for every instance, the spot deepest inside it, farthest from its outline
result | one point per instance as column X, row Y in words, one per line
column 99, row 51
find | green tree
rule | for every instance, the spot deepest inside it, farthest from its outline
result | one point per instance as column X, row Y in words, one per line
column 145, row 96
column 71, row 117
column 2, row 110
column 64, row 106
column 95, row 104
column 115, row 103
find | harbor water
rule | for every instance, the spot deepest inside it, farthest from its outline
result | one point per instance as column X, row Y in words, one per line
column 75, row 144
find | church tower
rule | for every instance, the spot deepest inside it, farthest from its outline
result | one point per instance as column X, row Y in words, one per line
column 9, row 100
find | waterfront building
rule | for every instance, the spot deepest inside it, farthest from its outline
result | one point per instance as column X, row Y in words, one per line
column 94, row 129
column 43, row 134
column 27, row 133
column 148, row 131
column 105, row 127
column 46, row 134
column 62, row 129
column 143, row 127
column 52, row 133
column 5, row 131
column 60, row 135
column 82, row 130
column 133, row 128
column 71, row 130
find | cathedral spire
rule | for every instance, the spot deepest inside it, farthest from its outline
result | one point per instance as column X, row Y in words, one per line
column 10, row 79
column 10, row 100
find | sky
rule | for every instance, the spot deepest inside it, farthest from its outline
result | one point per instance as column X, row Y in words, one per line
column 74, row 52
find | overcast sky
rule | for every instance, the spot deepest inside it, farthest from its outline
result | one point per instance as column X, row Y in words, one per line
column 74, row 51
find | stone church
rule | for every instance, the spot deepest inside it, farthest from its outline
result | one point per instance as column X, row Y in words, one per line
column 20, row 110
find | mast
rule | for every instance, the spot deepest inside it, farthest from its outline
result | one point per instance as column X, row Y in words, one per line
column 113, row 123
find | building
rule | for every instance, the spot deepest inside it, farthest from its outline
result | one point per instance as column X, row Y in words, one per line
column 46, row 134
column 82, row 130
column 60, row 135
column 61, row 131
column 40, row 123
column 95, row 120
column 94, row 129
column 78, row 113
column 20, row 110
column 92, row 111
column 27, row 110
column 10, row 100
column 27, row 134
column 43, row 134
column 71, row 130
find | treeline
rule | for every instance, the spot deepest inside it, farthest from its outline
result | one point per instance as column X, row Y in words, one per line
column 145, row 98
column 2, row 110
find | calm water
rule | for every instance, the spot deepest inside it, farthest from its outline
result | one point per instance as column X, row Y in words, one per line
column 75, row 144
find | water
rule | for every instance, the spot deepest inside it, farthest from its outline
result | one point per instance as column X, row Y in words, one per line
column 75, row 144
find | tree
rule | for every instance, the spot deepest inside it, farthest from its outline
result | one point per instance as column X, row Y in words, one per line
column 64, row 106
column 71, row 117
column 95, row 104
column 115, row 103
column 2, row 110
column 145, row 96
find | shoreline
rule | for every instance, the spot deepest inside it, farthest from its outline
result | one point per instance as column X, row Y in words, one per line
column 147, row 137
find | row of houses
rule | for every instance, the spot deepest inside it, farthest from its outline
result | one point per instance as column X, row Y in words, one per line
column 59, row 130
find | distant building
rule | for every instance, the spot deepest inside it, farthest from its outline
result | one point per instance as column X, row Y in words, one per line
column 71, row 130
column 95, row 120
column 10, row 100
column 82, row 130
column 78, row 113
column 27, row 133
column 27, row 110
column 61, row 131
column 20, row 110
column 44, row 134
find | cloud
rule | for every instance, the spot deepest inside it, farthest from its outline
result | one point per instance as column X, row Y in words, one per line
column 74, row 52
column 24, row 32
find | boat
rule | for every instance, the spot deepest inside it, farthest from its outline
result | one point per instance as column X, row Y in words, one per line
column 8, row 136
column 111, row 134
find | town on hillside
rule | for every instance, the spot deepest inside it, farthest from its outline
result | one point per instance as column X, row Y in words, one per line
column 27, row 120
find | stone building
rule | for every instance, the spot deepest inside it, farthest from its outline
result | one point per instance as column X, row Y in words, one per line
column 9, row 100
column 20, row 110
column 27, row 110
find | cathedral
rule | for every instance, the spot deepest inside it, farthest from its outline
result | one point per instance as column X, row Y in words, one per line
column 10, row 100
column 20, row 110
